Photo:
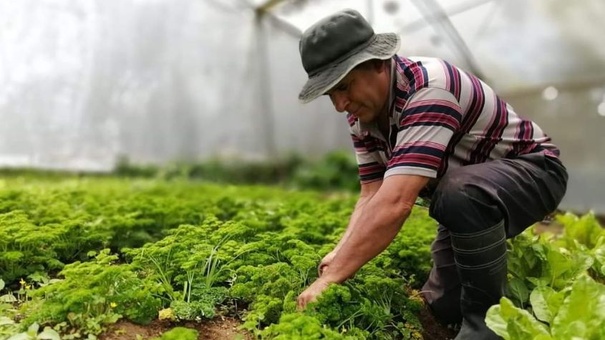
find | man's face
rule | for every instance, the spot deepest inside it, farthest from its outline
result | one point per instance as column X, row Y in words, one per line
column 363, row 92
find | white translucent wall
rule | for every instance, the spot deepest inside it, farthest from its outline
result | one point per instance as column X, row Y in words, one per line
column 86, row 81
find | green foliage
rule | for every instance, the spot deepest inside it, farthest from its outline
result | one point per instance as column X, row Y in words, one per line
column 584, row 230
column 24, row 247
column 337, row 170
column 546, row 302
column 45, row 225
column 200, row 304
column 235, row 171
column 179, row 333
column 555, row 260
column 376, row 304
column 180, row 259
column 410, row 253
column 583, row 234
column 582, row 313
column 576, row 312
column 513, row 323
column 554, row 277
column 129, row 248
column 33, row 333
column 295, row 326
column 94, row 294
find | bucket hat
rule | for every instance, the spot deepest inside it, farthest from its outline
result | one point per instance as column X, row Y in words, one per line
column 335, row 45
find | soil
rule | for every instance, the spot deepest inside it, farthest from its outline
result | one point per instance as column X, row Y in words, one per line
column 433, row 329
column 220, row 328
column 225, row 328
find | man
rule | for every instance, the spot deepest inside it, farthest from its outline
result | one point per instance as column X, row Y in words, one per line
column 423, row 126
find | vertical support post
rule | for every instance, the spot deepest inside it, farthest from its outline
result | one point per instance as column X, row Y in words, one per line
column 264, row 88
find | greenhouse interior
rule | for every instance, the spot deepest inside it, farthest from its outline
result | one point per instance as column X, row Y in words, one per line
column 161, row 179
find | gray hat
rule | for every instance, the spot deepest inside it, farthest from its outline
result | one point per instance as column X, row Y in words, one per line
column 335, row 45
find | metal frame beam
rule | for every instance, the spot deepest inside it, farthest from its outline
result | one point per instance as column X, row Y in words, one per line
column 445, row 26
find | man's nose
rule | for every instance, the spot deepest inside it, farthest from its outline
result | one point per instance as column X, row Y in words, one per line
column 340, row 101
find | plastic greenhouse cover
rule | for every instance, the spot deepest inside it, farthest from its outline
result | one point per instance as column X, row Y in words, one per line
column 513, row 44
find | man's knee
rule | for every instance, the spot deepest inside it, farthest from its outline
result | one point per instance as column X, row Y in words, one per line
column 454, row 194
column 463, row 202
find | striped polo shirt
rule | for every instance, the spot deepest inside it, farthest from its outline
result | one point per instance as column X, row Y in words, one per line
column 441, row 118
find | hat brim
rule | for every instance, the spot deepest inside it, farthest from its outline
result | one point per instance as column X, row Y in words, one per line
column 384, row 46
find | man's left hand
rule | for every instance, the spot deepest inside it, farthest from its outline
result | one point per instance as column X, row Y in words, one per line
column 312, row 293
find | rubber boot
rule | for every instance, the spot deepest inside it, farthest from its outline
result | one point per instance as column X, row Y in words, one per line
column 442, row 289
column 481, row 262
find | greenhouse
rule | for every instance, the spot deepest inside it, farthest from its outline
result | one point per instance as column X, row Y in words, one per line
column 161, row 179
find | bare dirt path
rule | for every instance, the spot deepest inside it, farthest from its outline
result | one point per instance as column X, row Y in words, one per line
column 224, row 328
column 220, row 328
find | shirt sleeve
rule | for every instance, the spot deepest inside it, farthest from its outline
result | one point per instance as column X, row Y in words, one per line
column 428, row 122
column 371, row 168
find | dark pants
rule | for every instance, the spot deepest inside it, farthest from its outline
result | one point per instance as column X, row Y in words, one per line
column 472, row 198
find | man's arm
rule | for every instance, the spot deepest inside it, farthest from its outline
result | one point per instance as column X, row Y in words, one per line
column 375, row 228
column 377, row 224
column 368, row 190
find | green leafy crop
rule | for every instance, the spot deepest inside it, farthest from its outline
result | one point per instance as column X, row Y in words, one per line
column 78, row 254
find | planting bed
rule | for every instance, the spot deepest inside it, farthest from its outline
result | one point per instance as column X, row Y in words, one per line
column 114, row 259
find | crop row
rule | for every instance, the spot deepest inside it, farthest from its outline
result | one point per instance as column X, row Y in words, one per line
column 79, row 254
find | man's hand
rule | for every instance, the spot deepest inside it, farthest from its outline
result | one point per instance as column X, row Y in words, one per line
column 311, row 293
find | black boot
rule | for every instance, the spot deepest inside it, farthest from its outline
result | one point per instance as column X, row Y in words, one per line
column 481, row 261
